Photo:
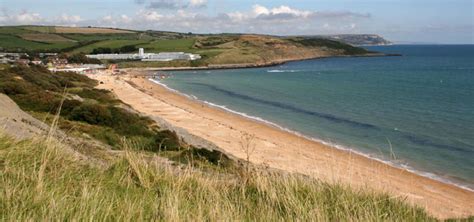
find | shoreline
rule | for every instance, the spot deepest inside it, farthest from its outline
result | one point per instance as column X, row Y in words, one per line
column 277, row 149
column 254, row 65
column 260, row 120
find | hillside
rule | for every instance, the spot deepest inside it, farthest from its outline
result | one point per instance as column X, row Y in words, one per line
column 132, row 169
column 224, row 49
column 92, row 114
column 358, row 40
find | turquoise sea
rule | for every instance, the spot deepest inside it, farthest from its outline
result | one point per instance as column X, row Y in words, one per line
column 420, row 106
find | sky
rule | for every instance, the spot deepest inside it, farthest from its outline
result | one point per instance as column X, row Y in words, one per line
column 402, row 21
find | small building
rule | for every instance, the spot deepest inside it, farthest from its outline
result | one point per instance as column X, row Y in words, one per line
column 46, row 54
column 37, row 62
column 23, row 61
column 58, row 62
column 5, row 60
column 80, row 69
column 162, row 56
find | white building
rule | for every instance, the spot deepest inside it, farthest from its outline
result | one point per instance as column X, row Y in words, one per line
column 162, row 56
column 81, row 69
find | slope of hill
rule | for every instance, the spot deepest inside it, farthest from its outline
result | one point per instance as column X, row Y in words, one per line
column 358, row 39
column 48, row 177
column 221, row 49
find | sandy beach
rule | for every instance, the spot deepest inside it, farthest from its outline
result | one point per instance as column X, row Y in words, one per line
column 282, row 150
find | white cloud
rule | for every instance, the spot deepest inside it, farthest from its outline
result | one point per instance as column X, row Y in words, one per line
column 281, row 12
column 68, row 19
column 260, row 10
column 198, row 3
column 25, row 17
column 107, row 18
column 152, row 16
column 172, row 4
column 21, row 18
column 278, row 20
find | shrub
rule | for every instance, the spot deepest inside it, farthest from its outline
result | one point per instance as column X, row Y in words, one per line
column 213, row 157
column 166, row 141
column 101, row 95
column 40, row 101
column 13, row 88
column 83, row 59
column 93, row 114
column 127, row 123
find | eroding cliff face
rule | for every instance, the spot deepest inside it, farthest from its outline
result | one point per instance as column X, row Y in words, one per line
column 17, row 123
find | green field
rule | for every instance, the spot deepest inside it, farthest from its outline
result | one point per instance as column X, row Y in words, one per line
column 103, row 37
column 45, row 38
column 113, row 44
column 215, row 49
column 12, row 30
column 14, row 43
column 185, row 45
column 40, row 29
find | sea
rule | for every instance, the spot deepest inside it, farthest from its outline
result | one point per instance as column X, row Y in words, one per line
column 414, row 111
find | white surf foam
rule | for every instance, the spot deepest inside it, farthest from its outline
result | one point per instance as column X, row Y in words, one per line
column 281, row 71
column 331, row 144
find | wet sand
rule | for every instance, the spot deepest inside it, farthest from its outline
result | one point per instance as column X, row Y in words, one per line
column 282, row 150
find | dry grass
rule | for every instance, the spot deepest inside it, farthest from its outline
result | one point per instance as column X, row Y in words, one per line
column 39, row 180
column 44, row 179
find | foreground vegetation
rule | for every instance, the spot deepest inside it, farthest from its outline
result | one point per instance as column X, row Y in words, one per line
column 41, row 181
column 131, row 179
column 91, row 113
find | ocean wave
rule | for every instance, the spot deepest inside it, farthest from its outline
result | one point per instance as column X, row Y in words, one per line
column 402, row 166
column 282, row 71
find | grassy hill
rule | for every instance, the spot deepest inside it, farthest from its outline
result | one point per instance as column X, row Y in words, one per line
column 137, row 171
column 215, row 49
column 40, row 180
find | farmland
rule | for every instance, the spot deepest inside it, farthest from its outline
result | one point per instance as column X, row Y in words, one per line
column 15, row 43
column 89, row 30
column 44, row 37
column 223, row 49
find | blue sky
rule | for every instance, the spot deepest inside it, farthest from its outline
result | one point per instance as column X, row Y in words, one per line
column 428, row 21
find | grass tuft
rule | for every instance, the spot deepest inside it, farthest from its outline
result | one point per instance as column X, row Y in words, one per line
column 42, row 180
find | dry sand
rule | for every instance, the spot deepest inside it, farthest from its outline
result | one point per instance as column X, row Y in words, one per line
column 282, row 150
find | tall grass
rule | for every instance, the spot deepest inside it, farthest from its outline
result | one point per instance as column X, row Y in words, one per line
column 43, row 180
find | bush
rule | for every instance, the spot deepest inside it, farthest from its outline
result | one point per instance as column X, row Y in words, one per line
column 102, row 50
column 39, row 101
column 101, row 95
column 38, row 90
column 13, row 88
column 83, row 59
column 166, row 141
column 93, row 114
column 127, row 123
column 127, row 49
column 120, row 120
column 213, row 157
